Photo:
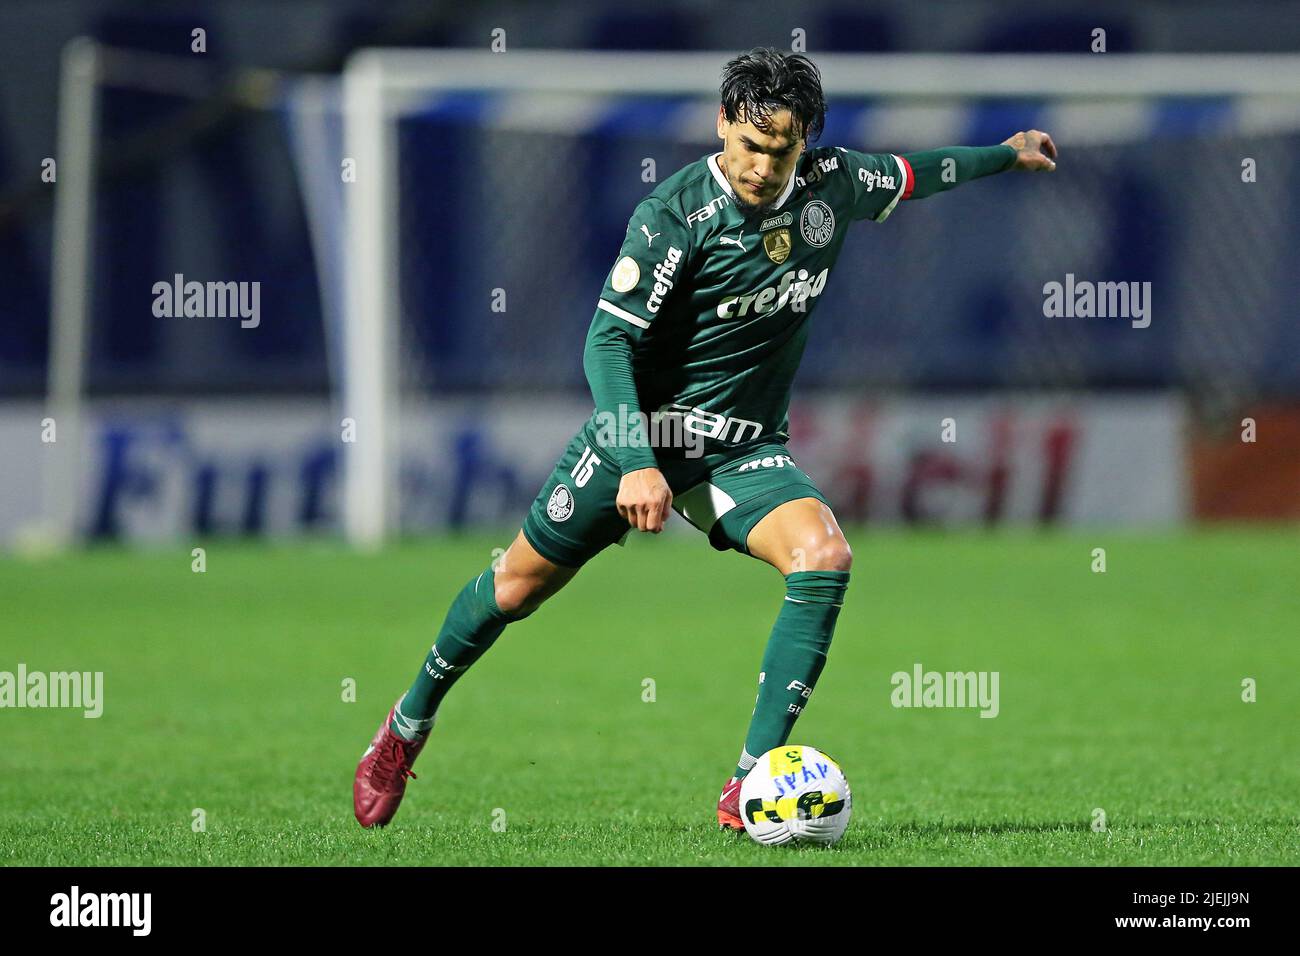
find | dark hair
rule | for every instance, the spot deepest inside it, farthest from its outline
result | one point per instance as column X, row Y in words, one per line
column 765, row 80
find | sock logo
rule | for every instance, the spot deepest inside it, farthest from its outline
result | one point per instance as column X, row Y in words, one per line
column 443, row 667
column 804, row 692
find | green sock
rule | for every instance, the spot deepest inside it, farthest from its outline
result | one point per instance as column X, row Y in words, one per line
column 795, row 656
column 472, row 625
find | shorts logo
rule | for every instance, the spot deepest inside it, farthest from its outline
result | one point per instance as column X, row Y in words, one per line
column 561, row 504
column 626, row 275
column 817, row 223
column 773, row 461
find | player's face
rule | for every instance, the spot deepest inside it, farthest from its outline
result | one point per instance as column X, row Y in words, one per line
column 758, row 164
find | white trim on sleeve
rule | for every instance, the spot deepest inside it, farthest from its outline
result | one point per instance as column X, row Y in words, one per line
column 902, row 187
column 623, row 314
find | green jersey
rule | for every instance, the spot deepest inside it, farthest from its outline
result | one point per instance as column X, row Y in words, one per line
column 706, row 311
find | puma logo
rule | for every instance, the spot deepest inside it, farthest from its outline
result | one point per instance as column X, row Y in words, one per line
column 649, row 239
column 734, row 242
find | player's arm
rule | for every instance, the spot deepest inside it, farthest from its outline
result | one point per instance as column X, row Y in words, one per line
column 635, row 293
column 936, row 170
column 883, row 179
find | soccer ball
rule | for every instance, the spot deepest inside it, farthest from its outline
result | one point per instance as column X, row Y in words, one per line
column 795, row 793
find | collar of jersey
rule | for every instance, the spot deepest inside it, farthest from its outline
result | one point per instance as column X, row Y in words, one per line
column 726, row 186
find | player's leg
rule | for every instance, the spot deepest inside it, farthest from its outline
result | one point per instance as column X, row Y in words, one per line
column 764, row 505
column 512, row 589
column 568, row 524
column 518, row 584
column 802, row 540
column 801, row 535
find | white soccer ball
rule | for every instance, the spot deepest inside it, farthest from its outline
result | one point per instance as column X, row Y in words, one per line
column 795, row 793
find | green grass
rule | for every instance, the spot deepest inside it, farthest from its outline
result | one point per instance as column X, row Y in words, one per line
column 223, row 692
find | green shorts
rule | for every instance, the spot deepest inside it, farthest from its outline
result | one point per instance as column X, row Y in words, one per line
column 575, row 516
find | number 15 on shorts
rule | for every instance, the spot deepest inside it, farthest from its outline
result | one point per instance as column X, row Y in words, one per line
column 586, row 465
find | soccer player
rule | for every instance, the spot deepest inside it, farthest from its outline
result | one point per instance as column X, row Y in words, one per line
column 700, row 326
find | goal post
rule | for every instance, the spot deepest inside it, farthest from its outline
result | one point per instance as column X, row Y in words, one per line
column 88, row 69
column 70, row 285
column 369, row 360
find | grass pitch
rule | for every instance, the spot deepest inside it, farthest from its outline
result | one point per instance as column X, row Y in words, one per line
column 224, row 694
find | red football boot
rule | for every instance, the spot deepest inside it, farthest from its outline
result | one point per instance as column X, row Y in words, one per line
column 729, row 806
column 381, row 776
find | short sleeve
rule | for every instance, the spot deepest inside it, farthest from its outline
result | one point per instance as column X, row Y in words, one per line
column 880, row 180
column 650, row 267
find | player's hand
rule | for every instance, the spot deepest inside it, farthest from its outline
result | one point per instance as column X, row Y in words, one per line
column 1037, row 152
column 644, row 499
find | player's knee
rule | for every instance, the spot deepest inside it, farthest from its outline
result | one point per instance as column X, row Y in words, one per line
column 828, row 554
column 518, row 596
